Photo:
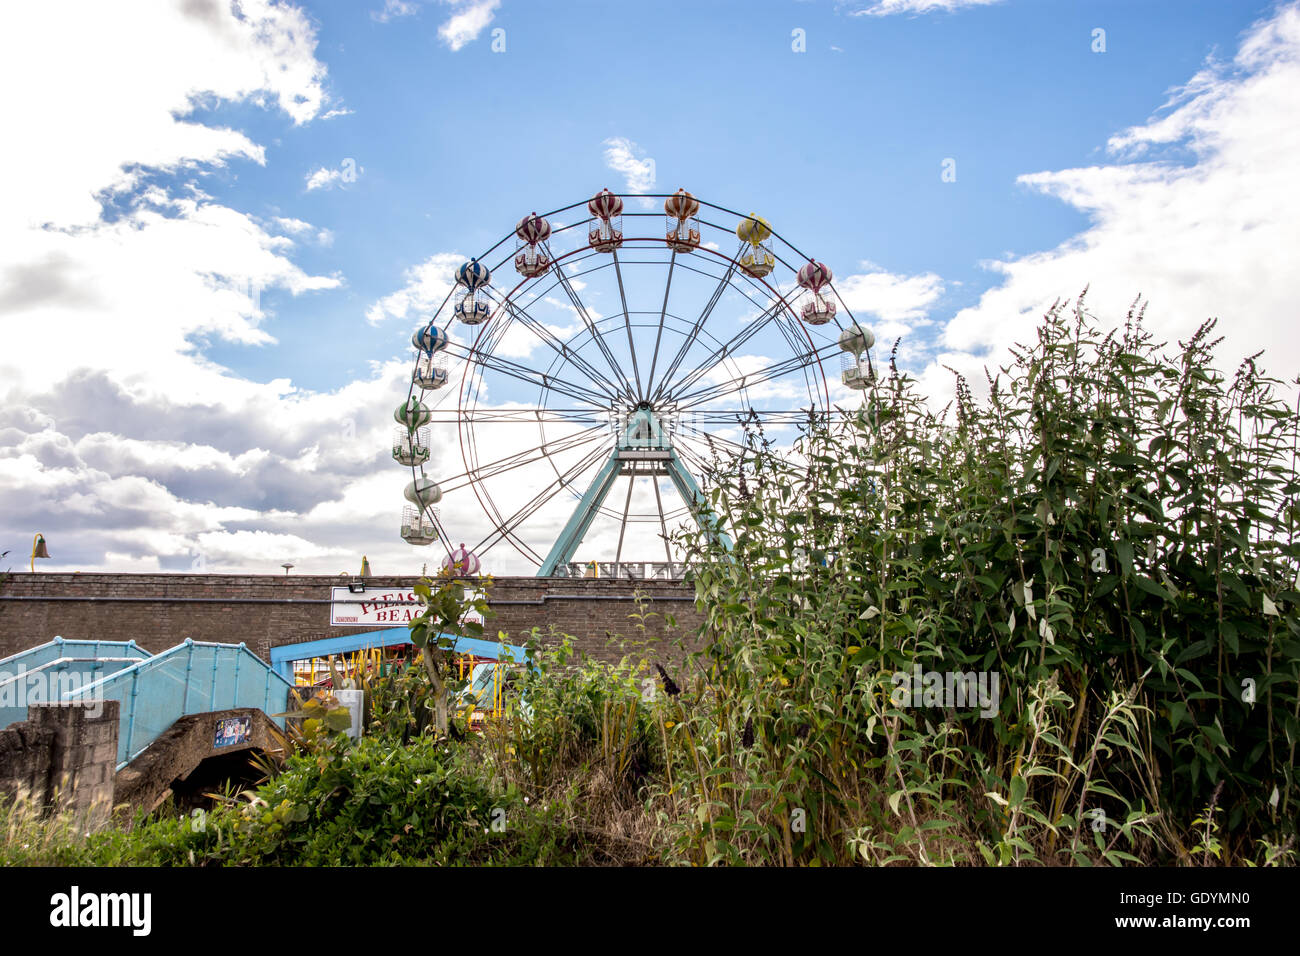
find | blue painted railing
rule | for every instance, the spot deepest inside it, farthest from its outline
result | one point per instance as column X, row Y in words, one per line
column 191, row 678
column 43, row 674
column 34, row 657
column 51, row 682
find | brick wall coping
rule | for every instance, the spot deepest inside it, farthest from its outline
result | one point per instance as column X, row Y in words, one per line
column 37, row 587
column 168, row 599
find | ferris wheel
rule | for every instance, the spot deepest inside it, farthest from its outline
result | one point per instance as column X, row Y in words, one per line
column 584, row 373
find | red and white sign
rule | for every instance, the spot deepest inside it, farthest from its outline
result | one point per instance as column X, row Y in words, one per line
column 379, row 607
column 375, row 607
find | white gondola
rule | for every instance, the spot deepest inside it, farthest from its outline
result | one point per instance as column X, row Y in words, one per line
column 854, row 370
column 418, row 528
column 683, row 234
column 856, row 340
column 461, row 561
column 473, row 308
column 605, row 228
column 411, row 448
column 681, row 225
column 531, row 259
column 472, row 304
column 818, row 305
column 429, row 372
column 605, row 235
column 757, row 262
column 817, row 308
column 756, row 259
column 423, row 492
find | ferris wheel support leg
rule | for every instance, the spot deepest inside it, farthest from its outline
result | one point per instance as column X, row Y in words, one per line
column 685, row 484
column 567, row 543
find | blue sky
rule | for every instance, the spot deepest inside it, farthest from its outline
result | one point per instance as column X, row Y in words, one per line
column 840, row 146
column 225, row 222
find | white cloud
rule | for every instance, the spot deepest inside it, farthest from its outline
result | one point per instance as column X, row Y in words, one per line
column 470, row 18
column 293, row 226
column 304, row 230
column 119, row 437
column 427, row 285
column 1214, row 237
column 326, row 177
column 628, row 160
column 901, row 303
column 262, row 547
column 393, row 9
column 122, row 91
column 884, row 8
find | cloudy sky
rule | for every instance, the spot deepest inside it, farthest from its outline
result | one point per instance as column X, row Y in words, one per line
column 223, row 220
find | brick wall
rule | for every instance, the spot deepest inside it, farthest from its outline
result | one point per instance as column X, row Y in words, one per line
column 262, row 611
column 66, row 751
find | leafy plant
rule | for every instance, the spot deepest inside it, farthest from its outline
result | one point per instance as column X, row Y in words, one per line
column 1112, row 522
column 446, row 616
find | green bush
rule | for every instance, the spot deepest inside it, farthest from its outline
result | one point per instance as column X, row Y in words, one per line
column 580, row 711
column 1112, row 533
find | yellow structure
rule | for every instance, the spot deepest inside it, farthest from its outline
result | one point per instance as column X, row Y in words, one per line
column 757, row 261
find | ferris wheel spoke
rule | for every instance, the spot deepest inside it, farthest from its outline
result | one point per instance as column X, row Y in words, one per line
column 548, row 338
column 698, row 463
column 516, row 416
column 532, row 377
column 709, row 438
column 519, row 459
column 622, row 530
column 685, row 347
column 663, row 316
column 599, row 339
column 747, row 332
column 750, row 379
column 663, row 522
column 506, row 526
column 730, row 445
column 627, row 321
column 796, row 346
column 738, row 452
column 440, row 533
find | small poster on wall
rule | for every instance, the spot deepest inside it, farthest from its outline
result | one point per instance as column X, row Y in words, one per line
column 232, row 730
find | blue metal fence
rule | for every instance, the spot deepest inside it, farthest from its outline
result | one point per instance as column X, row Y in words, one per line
column 34, row 657
column 191, row 678
column 43, row 674
column 154, row 691
column 50, row 682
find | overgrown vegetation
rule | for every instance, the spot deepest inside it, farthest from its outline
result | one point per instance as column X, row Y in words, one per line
column 1110, row 535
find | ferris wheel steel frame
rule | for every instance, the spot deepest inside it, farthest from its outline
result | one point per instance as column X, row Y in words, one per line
column 602, row 394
